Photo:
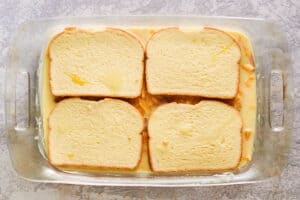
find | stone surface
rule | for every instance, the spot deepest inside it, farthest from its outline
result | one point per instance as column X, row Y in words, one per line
column 284, row 12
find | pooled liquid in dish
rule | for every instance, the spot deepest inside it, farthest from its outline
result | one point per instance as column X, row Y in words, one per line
column 245, row 101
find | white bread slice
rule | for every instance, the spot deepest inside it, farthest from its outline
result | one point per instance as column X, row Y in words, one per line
column 99, row 63
column 201, row 137
column 196, row 63
column 90, row 134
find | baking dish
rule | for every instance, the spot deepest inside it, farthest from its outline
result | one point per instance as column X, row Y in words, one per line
column 274, row 102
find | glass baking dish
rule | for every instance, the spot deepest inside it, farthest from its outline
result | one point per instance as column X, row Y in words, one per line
column 274, row 88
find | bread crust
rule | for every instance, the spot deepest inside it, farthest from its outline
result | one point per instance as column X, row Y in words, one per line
column 244, row 48
column 196, row 170
column 153, row 35
column 108, row 29
column 190, row 94
column 95, row 166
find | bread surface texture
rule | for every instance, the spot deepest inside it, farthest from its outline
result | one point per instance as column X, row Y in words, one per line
column 103, row 134
column 201, row 137
column 198, row 63
column 96, row 63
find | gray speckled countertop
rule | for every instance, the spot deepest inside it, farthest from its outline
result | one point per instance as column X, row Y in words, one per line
column 285, row 12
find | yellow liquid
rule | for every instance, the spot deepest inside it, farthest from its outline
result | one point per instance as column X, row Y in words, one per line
column 246, row 96
column 77, row 80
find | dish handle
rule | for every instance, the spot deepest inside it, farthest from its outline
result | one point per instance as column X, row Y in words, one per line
column 17, row 99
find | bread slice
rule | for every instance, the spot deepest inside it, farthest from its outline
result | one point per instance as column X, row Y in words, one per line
column 201, row 137
column 103, row 134
column 198, row 63
column 99, row 63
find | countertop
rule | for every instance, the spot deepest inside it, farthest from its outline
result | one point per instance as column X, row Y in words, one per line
column 286, row 13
